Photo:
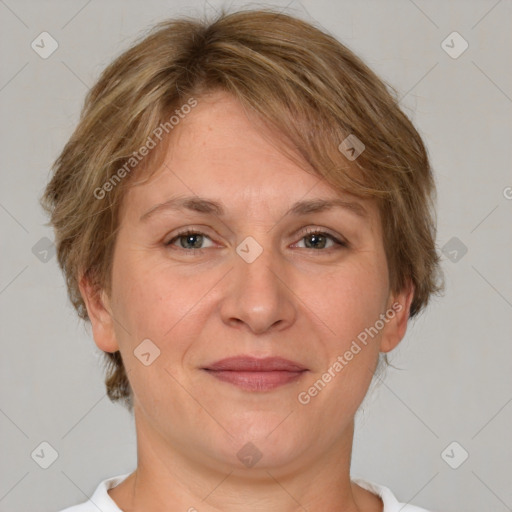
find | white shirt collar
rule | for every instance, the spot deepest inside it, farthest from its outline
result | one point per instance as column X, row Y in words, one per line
column 101, row 499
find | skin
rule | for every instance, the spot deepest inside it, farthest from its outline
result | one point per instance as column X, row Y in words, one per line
column 299, row 300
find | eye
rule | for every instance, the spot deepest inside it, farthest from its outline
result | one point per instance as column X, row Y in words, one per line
column 317, row 239
column 188, row 239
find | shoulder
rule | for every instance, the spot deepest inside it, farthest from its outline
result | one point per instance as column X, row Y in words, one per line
column 391, row 504
column 100, row 499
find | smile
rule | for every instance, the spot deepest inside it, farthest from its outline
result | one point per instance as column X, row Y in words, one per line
column 255, row 374
column 257, row 381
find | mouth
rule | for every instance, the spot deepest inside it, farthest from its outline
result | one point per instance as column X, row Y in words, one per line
column 253, row 374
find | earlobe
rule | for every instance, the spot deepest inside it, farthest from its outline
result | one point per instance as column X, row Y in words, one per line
column 100, row 316
column 398, row 308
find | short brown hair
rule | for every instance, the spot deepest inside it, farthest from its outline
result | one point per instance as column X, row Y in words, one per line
column 293, row 76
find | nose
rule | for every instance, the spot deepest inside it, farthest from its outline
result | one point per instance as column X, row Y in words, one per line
column 259, row 295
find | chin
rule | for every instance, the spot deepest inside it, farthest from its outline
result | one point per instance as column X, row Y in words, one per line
column 264, row 442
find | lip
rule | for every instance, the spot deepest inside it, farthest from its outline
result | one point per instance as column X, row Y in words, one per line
column 256, row 374
column 254, row 364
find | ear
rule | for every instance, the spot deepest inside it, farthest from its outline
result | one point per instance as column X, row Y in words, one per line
column 100, row 315
column 396, row 326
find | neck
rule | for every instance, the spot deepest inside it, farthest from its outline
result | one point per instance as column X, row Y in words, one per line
column 172, row 476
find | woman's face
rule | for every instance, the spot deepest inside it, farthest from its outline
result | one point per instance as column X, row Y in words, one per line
column 246, row 281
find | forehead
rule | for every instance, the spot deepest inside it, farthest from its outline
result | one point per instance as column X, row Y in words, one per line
column 219, row 150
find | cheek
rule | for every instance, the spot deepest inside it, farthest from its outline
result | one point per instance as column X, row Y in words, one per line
column 153, row 300
column 153, row 303
column 350, row 306
column 353, row 298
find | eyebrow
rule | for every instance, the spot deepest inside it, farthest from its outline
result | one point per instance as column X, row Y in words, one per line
column 209, row 206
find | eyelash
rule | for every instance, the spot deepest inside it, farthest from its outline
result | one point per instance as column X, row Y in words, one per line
column 339, row 244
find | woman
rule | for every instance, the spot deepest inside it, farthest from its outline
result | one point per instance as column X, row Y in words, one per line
column 245, row 217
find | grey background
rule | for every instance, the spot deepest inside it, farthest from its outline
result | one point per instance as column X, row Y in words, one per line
column 454, row 381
